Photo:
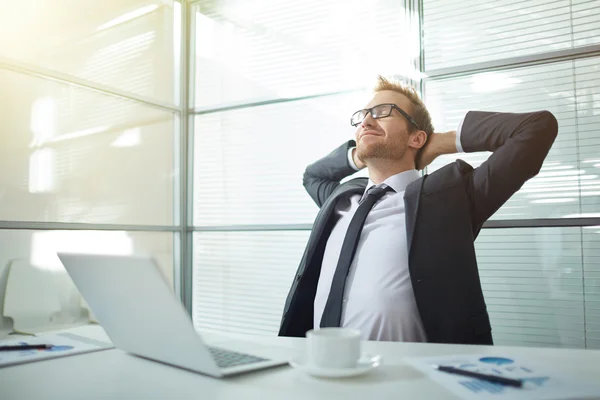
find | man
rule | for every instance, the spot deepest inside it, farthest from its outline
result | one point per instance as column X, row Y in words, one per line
column 393, row 256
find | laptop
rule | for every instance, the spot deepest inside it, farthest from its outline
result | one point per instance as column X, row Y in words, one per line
column 133, row 302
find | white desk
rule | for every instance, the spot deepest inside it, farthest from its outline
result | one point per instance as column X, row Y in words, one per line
column 113, row 374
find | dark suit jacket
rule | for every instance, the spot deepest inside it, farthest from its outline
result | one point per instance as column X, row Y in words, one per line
column 444, row 213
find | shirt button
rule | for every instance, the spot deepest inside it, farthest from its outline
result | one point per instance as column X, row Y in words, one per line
column 345, row 300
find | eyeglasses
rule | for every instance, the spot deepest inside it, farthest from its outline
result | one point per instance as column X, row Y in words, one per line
column 379, row 111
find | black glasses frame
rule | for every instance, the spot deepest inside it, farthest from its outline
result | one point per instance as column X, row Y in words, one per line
column 393, row 107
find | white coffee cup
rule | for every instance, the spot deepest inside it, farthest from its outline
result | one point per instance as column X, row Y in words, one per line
column 333, row 347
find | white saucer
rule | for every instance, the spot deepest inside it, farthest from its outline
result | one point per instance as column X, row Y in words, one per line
column 365, row 364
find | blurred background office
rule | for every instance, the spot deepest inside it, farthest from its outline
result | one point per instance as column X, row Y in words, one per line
column 181, row 130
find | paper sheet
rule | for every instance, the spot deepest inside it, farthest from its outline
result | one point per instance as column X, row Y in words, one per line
column 65, row 344
column 539, row 382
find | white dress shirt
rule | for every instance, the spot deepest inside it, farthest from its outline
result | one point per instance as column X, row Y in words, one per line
column 378, row 297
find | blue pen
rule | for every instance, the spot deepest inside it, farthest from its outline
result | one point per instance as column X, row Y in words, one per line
column 26, row 347
column 490, row 378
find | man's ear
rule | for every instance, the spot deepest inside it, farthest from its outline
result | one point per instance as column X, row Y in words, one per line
column 417, row 139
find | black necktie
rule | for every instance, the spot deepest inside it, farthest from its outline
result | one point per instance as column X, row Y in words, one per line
column 332, row 314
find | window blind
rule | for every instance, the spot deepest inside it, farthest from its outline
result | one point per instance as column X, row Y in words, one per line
column 269, row 49
column 241, row 279
column 249, row 163
column 475, row 31
column 542, row 285
column 76, row 155
column 533, row 285
column 591, row 282
column 127, row 45
column 569, row 183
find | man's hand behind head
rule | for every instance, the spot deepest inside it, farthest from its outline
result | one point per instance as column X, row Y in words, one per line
column 437, row 145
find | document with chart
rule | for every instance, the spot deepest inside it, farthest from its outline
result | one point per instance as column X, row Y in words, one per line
column 63, row 344
column 539, row 381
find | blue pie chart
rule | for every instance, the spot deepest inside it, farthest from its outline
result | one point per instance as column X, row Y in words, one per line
column 496, row 360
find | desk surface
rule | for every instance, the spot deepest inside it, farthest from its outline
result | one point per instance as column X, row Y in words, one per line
column 113, row 374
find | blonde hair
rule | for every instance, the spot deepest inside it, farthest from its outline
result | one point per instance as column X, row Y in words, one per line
column 419, row 112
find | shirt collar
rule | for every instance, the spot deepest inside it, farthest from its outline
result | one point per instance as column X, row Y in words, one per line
column 398, row 182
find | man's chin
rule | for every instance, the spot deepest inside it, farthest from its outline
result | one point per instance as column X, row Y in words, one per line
column 376, row 154
column 367, row 152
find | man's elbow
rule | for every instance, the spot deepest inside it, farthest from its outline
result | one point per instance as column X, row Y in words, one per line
column 546, row 130
column 306, row 179
column 548, row 126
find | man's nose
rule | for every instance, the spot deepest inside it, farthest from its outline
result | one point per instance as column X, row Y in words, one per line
column 368, row 121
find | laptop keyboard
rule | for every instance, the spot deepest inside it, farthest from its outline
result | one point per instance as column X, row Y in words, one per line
column 228, row 358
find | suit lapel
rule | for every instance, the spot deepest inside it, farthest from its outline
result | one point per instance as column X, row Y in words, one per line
column 356, row 186
column 412, row 195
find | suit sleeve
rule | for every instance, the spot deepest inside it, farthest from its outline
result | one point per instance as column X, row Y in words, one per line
column 322, row 177
column 519, row 144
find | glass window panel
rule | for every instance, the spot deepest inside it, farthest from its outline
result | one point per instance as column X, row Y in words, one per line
column 533, row 282
column 35, row 251
column 473, row 31
column 241, row 279
column 591, row 273
column 541, row 284
column 268, row 49
column 248, row 163
column 74, row 155
column 124, row 44
column 587, row 83
column 586, row 22
column 568, row 184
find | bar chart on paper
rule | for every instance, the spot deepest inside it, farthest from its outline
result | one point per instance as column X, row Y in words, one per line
column 538, row 382
column 500, row 366
column 479, row 386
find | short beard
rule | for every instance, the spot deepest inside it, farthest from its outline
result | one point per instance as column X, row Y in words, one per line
column 382, row 151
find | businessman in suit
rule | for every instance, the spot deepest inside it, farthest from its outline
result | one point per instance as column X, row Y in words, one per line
column 393, row 255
